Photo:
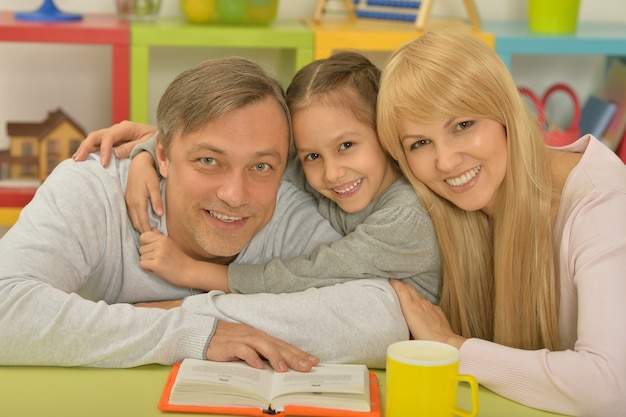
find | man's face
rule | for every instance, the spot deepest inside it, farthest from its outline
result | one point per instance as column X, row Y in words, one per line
column 222, row 180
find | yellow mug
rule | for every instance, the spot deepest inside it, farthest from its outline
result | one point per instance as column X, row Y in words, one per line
column 422, row 380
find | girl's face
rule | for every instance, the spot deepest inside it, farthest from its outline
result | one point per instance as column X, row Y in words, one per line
column 463, row 159
column 341, row 156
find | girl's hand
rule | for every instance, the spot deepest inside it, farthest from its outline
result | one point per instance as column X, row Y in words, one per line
column 143, row 184
column 159, row 254
column 426, row 321
column 124, row 135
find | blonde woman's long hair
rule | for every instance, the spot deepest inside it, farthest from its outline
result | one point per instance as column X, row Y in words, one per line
column 500, row 282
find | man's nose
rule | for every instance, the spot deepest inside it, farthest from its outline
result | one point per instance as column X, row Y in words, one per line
column 234, row 190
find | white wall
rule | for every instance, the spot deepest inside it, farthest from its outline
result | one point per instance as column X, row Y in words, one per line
column 37, row 78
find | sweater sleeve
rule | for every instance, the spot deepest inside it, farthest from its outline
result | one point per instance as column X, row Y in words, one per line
column 345, row 323
column 147, row 146
column 61, row 274
column 394, row 242
column 588, row 377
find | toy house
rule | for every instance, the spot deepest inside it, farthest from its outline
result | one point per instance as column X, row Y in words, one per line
column 36, row 148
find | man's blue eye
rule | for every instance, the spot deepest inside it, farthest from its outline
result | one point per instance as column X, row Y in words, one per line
column 207, row 161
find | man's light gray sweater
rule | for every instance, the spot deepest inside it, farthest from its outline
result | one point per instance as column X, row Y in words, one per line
column 70, row 265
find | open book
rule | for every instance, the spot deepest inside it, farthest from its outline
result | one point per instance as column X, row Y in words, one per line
column 236, row 388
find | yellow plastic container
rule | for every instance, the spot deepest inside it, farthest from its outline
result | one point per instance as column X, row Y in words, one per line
column 238, row 12
column 559, row 17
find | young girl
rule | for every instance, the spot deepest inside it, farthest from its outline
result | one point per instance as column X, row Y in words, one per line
column 388, row 233
column 533, row 238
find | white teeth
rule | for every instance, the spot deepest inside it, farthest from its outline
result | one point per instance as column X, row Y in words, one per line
column 224, row 218
column 463, row 179
column 349, row 189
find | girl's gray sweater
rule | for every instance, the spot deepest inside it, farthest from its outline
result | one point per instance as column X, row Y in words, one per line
column 393, row 237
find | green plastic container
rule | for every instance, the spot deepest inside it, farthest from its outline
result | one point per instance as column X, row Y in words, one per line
column 236, row 12
column 559, row 17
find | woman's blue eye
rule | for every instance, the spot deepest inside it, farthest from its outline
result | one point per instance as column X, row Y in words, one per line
column 464, row 125
column 419, row 143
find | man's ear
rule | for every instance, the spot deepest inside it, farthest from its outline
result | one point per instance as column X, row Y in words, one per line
column 161, row 157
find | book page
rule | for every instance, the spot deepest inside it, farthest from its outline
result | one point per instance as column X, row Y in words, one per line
column 326, row 385
column 202, row 382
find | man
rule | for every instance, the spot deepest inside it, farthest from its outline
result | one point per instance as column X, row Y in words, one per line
column 70, row 266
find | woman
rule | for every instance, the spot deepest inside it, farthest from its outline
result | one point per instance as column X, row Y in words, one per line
column 533, row 238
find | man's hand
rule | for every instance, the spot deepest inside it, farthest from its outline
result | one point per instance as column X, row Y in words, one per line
column 125, row 135
column 233, row 341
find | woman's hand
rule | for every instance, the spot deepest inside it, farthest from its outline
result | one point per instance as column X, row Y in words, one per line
column 123, row 136
column 426, row 321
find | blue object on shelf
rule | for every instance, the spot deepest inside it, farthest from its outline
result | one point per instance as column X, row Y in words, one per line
column 48, row 12
column 402, row 10
column 406, row 4
column 596, row 116
column 372, row 14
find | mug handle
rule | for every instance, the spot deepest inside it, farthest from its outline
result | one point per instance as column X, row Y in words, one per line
column 474, row 394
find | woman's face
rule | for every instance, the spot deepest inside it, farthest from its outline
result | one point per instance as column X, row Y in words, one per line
column 462, row 159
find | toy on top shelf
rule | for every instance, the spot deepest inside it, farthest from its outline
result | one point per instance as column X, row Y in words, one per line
column 320, row 9
column 48, row 12
column 395, row 10
column 146, row 10
column 36, row 148
column 406, row 11
column 230, row 12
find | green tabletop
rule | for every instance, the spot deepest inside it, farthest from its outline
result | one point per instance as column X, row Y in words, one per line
column 88, row 392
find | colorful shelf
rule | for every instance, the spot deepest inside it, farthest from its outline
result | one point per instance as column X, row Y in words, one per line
column 294, row 40
column 12, row 199
column 591, row 38
column 376, row 35
column 94, row 29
